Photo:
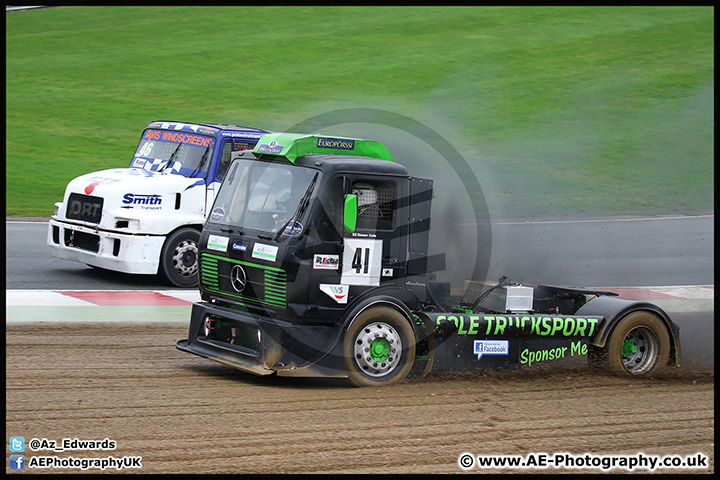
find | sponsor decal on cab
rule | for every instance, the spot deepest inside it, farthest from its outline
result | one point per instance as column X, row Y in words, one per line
column 216, row 242
column 146, row 202
column 326, row 262
column 265, row 252
column 339, row 293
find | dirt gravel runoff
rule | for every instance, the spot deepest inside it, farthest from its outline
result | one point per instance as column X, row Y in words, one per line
column 185, row 414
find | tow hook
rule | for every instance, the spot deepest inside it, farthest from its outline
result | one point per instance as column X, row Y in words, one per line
column 210, row 327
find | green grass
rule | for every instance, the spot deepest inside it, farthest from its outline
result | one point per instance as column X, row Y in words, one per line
column 559, row 110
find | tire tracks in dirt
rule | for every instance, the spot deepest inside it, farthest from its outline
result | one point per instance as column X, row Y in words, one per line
column 185, row 414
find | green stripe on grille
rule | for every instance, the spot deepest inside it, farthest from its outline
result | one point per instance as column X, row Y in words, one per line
column 274, row 281
column 209, row 273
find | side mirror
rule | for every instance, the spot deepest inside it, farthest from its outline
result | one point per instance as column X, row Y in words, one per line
column 350, row 213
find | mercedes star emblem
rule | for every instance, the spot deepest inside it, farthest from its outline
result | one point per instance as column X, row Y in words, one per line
column 238, row 278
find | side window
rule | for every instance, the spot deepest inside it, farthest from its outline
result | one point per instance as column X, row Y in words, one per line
column 376, row 204
column 227, row 155
column 224, row 160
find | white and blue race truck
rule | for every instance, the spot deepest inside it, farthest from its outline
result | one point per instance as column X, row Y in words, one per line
column 146, row 219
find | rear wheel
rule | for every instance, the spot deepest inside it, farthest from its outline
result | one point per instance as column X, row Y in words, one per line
column 179, row 258
column 379, row 347
column 639, row 345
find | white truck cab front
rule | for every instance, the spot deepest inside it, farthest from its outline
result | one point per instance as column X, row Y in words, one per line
column 146, row 219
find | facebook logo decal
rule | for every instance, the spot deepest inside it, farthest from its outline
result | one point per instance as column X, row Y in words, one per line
column 17, row 462
column 17, row 444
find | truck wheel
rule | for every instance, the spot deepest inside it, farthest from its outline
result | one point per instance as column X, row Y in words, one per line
column 639, row 345
column 179, row 258
column 379, row 347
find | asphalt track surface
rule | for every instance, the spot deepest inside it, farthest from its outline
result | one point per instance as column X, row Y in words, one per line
column 124, row 380
column 579, row 252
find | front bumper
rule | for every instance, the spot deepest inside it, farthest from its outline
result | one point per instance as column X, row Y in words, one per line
column 121, row 252
column 262, row 345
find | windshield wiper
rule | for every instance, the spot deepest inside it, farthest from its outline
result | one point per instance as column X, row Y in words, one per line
column 172, row 157
column 301, row 206
column 202, row 162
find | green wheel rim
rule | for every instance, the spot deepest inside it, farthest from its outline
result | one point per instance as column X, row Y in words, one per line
column 640, row 350
column 377, row 348
column 628, row 348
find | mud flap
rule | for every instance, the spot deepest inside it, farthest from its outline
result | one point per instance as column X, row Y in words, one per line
column 425, row 347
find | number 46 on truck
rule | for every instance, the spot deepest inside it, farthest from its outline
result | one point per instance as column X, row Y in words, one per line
column 146, row 219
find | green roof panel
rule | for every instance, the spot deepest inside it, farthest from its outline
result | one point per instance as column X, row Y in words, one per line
column 294, row 145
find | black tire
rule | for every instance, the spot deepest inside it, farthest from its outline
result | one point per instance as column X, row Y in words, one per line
column 638, row 346
column 179, row 258
column 370, row 347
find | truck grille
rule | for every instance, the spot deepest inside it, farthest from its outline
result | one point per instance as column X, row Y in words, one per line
column 85, row 208
column 266, row 286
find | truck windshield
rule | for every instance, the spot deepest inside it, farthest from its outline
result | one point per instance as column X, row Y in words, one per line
column 264, row 196
column 174, row 152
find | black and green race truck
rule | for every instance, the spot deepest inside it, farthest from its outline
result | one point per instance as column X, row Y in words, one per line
column 314, row 261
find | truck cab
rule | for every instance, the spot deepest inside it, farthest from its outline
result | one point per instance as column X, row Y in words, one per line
column 305, row 233
column 146, row 218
